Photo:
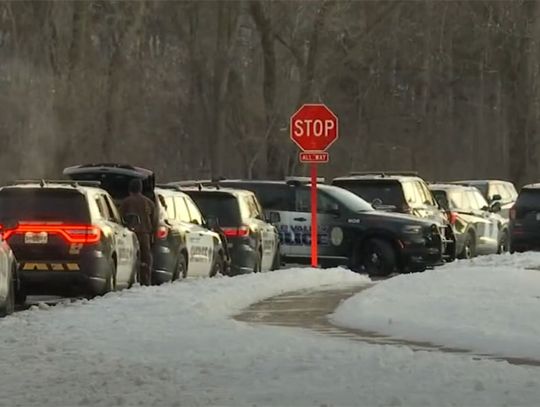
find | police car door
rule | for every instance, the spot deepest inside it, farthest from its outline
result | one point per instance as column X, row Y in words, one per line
column 488, row 224
column 300, row 224
column 122, row 238
column 199, row 241
column 268, row 234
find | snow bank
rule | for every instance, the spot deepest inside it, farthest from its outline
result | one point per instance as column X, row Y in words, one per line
column 489, row 305
column 175, row 346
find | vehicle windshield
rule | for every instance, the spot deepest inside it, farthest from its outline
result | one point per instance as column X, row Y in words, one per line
column 223, row 207
column 346, row 198
column 388, row 193
column 529, row 198
column 36, row 204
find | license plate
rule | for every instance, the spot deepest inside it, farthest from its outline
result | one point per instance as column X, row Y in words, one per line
column 36, row 238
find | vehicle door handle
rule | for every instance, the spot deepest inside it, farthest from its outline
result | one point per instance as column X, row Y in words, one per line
column 300, row 219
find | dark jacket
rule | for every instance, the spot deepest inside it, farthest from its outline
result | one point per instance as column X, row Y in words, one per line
column 140, row 205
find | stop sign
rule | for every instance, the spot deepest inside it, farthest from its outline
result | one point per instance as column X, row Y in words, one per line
column 314, row 127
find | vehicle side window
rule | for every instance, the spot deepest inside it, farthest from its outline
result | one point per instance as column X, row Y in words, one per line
column 475, row 202
column 457, row 200
column 102, row 206
column 427, row 197
column 251, row 208
column 505, row 194
column 511, row 191
column 194, row 212
column 115, row 215
column 409, row 191
column 303, row 201
column 481, row 201
column 171, row 212
column 182, row 213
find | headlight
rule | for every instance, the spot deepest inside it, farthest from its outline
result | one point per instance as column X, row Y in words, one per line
column 412, row 229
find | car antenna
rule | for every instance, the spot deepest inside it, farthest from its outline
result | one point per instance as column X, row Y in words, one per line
column 199, row 186
column 42, row 183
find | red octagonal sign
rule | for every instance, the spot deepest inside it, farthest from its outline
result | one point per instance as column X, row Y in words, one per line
column 314, row 127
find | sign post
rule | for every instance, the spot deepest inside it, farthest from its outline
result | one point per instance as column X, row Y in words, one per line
column 314, row 127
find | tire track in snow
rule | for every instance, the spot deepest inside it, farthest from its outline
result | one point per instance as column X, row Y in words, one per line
column 309, row 309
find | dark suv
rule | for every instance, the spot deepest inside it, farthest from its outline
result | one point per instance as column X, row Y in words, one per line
column 70, row 239
column 478, row 227
column 401, row 192
column 525, row 220
column 350, row 231
column 253, row 243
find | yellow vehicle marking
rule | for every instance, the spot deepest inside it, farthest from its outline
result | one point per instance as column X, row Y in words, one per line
column 35, row 266
column 50, row 267
column 72, row 266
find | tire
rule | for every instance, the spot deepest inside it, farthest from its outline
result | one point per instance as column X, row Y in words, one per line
column 377, row 257
column 135, row 274
column 276, row 264
column 111, row 278
column 181, row 267
column 9, row 306
column 504, row 243
column 218, row 267
column 469, row 247
column 258, row 263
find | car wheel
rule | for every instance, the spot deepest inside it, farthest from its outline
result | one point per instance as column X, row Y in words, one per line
column 181, row 267
column 218, row 267
column 134, row 279
column 504, row 243
column 468, row 251
column 110, row 284
column 258, row 263
column 378, row 258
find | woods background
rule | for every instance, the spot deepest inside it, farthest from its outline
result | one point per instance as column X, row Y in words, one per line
column 201, row 88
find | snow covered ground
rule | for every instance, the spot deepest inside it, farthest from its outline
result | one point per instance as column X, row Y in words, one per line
column 489, row 305
column 176, row 345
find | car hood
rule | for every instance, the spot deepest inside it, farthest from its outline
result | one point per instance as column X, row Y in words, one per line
column 399, row 218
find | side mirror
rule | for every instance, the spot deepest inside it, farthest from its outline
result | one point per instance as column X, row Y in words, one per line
column 495, row 207
column 131, row 221
column 496, row 197
column 273, row 217
column 195, row 221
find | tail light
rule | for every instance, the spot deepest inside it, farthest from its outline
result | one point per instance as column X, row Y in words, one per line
column 162, row 232
column 452, row 217
column 241, row 231
column 86, row 234
column 513, row 213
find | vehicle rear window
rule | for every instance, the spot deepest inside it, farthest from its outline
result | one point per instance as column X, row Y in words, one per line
column 529, row 198
column 33, row 204
column 224, row 207
column 390, row 193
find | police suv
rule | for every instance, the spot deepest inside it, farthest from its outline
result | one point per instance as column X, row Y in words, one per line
column 70, row 239
column 350, row 231
column 9, row 282
column 252, row 242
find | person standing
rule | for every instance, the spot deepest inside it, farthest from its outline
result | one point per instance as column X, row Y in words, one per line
column 138, row 204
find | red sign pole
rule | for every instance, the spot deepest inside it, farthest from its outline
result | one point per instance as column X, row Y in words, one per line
column 314, row 246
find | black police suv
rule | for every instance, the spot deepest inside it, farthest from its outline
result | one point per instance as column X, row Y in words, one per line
column 401, row 192
column 503, row 192
column 9, row 277
column 350, row 231
column 70, row 239
column 253, row 243
column 478, row 227
column 525, row 220
column 180, row 248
